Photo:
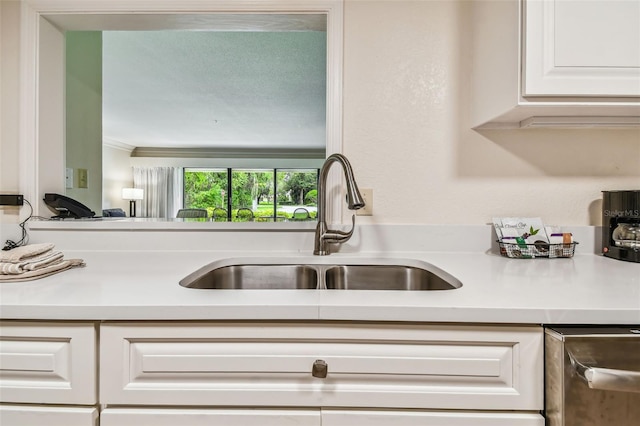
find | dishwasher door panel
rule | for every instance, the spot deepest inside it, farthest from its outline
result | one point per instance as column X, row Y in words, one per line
column 592, row 376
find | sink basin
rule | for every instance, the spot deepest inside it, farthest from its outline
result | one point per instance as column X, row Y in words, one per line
column 386, row 277
column 261, row 274
column 254, row 277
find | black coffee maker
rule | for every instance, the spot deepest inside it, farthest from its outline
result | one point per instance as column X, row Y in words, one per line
column 621, row 225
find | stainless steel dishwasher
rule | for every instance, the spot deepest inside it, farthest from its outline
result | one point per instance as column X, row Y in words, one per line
column 592, row 376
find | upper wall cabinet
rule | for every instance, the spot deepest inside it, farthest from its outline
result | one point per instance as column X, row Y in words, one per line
column 556, row 63
column 582, row 48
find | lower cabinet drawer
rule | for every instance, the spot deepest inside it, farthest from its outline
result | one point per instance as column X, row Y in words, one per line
column 53, row 363
column 24, row 415
column 310, row 417
column 322, row 364
column 431, row 418
column 208, row 417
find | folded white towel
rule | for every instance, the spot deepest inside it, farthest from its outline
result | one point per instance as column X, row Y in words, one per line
column 31, row 264
column 53, row 268
column 22, row 253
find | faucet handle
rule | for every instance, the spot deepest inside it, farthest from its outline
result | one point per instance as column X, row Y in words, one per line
column 336, row 236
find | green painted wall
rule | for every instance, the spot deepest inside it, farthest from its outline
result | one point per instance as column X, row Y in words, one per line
column 83, row 102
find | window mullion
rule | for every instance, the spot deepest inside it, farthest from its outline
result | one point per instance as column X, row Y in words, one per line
column 229, row 194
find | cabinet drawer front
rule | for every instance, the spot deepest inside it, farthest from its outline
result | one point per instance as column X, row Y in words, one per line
column 24, row 415
column 408, row 366
column 54, row 363
column 208, row 417
column 434, row 418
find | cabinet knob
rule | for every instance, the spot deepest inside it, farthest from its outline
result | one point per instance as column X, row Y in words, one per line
column 320, row 369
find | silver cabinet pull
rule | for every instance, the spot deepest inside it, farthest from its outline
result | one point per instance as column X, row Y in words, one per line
column 607, row 378
column 319, row 369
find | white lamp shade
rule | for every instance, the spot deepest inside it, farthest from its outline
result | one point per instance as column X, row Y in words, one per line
column 132, row 193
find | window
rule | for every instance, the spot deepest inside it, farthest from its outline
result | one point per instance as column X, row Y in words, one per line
column 261, row 195
column 206, row 188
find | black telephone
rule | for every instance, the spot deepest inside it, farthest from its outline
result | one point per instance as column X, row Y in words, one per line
column 66, row 207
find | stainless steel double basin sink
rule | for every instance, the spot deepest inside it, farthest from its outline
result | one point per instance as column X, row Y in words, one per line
column 312, row 274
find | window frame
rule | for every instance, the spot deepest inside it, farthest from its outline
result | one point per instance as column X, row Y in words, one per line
column 41, row 132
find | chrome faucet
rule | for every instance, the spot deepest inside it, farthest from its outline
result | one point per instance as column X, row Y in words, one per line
column 325, row 236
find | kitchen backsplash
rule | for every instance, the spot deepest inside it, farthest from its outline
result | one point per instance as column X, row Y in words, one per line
column 366, row 238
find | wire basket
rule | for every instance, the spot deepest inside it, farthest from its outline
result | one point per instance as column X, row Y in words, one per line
column 533, row 251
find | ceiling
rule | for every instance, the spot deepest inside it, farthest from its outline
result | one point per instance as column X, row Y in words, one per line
column 249, row 89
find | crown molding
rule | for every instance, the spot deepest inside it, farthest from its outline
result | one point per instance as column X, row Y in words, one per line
column 115, row 144
column 228, row 153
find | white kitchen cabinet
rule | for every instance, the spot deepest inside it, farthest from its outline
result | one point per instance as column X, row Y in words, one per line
column 26, row 415
column 48, row 363
column 582, row 48
column 427, row 418
column 562, row 63
column 368, row 365
column 209, row 417
column 270, row 373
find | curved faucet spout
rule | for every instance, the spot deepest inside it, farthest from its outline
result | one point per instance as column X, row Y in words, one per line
column 324, row 236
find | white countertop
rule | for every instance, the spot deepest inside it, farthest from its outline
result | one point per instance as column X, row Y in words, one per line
column 143, row 285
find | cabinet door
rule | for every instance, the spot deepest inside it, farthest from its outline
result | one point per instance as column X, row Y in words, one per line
column 50, row 363
column 25, row 415
column 582, row 48
column 205, row 417
column 416, row 418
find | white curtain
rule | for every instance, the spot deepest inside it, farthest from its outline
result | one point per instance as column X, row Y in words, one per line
column 163, row 188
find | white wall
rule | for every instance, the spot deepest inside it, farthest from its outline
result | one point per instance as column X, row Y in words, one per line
column 51, row 114
column 9, row 107
column 9, row 91
column 116, row 174
column 407, row 130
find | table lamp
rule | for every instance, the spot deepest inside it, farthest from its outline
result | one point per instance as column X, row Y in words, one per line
column 132, row 194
